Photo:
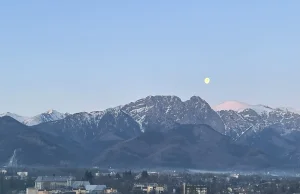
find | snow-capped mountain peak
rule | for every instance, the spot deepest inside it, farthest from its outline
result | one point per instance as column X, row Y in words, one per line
column 241, row 106
column 50, row 111
column 50, row 115
column 231, row 105
column 19, row 118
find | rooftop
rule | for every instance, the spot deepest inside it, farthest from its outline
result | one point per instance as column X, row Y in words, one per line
column 95, row 187
column 78, row 184
column 54, row 178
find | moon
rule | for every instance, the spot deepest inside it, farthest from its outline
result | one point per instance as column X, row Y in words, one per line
column 206, row 80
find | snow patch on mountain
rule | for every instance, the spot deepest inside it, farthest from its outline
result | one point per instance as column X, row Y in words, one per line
column 165, row 112
column 289, row 109
column 241, row 106
column 257, row 118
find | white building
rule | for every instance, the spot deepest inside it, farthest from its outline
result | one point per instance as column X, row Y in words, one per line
column 3, row 171
column 24, row 174
column 31, row 191
column 53, row 182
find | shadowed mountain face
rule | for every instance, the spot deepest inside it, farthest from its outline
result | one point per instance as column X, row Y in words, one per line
column 197, row 146
column 28, row 146
column 284, row 149
column 94, row 131
column 98, row 131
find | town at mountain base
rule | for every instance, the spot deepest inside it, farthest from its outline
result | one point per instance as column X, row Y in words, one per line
column 160, row 131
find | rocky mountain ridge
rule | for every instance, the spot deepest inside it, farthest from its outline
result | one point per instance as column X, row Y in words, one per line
column 257, row 118
column 126, row 132
column 50, row 115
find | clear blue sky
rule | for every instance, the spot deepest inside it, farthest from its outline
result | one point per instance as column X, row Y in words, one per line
column 76, row 55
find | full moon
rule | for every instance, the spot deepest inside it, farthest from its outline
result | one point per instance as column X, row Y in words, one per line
column 206, row 80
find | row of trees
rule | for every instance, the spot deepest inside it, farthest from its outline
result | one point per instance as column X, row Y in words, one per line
column 12, row 184
column 123, row 182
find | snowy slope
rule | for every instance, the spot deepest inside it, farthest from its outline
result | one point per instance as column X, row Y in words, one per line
column 231, row 105
column 289, row 109
column 153, row 113
column 163, row 112
column 240, row 117
column 51, row 115
column 19, row 118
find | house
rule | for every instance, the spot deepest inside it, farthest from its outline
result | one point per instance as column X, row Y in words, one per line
column 157, row 188
column 110, row 191
column 3, row 171
column 53, row 182
column 111, row 173
column 95, row 189
column 80, row 191
column 153, row 173
column 140, row 187
column 37, row 191
column 22, row 175
column 31, row 191
column 198, row 189
column 10, row 177
column 150, row 187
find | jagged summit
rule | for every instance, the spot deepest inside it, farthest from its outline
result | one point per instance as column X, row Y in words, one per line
column 148, row 125
column 50, row 111
column 165, row 111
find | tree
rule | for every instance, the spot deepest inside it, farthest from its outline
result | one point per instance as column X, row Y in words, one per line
column 11, row 183
column 1, row 183
column 88, row 176
column 127, row 175
column 145, row 174
column 118, row 176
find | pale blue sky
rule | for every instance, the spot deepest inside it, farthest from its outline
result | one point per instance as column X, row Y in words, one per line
column 76, row 55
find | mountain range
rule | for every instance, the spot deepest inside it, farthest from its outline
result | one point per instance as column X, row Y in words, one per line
column 157, row 131
column 50, row 115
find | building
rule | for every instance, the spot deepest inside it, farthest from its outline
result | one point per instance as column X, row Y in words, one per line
column 80, row 184
column 150, row 187
column 110, row 191
column 80, row 191
column 112, row 173
column 95, row 189
column 234, row 176
column 53, row 182
column 194, row 189
column 37, row 191
column 31, row 191
column 3, row 171
column 22, row 175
